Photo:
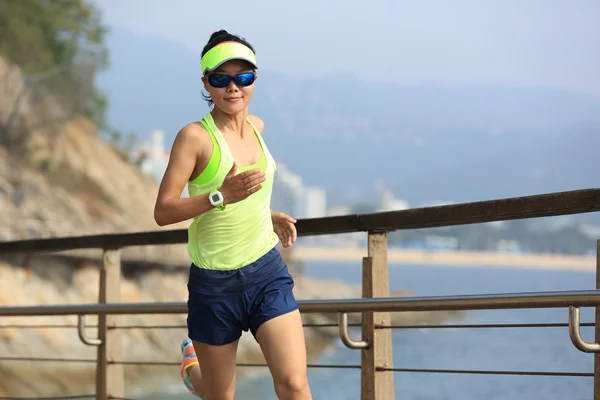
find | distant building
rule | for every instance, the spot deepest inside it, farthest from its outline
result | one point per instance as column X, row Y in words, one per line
column 388, row 202
column 508, row 246
column 154, row 157
column 293, row 198
column 333, row 211
column 315, row 202
column 287, row 192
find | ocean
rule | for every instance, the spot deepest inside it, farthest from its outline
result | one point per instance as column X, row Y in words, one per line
column 522, row 349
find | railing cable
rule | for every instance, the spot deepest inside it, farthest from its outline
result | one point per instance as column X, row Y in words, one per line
column 486, row 372
column 49, row 359
column 325, row 325
column 83, row 396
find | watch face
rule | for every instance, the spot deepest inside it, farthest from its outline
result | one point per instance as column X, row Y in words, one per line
column 215, row 197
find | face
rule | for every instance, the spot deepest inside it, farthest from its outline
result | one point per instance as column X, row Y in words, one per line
column 233, row 98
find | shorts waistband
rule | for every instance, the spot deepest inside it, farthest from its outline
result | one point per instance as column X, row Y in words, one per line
column 215, row 281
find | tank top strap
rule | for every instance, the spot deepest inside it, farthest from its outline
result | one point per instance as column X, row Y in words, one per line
column 263, row 145
column 256, row 132
column 225, row 151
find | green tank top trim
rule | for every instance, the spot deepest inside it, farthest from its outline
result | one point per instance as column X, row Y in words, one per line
column 211, row 169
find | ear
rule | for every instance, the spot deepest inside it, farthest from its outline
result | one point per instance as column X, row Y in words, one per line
column 205, row 82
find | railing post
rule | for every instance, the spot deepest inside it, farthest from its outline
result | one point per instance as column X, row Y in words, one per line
column 110, row 380
column 376, row 384
column 597, row 329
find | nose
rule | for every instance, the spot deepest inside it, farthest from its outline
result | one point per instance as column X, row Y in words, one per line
column 232, row 87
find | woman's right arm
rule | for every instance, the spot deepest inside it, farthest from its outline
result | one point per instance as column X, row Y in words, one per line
column 170, row 208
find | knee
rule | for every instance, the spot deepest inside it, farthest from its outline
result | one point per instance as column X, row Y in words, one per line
column 293, row 387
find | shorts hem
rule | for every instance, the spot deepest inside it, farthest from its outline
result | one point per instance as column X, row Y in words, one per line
column 211, row 342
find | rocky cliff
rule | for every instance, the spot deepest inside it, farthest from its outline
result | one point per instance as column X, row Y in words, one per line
column 66, row 180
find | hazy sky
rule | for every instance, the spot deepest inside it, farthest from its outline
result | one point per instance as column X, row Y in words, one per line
column 522, row 42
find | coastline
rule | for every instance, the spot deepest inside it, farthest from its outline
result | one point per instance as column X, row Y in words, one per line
column 452, row 258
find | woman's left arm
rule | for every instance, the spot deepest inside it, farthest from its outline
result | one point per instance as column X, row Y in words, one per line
column 284, row 227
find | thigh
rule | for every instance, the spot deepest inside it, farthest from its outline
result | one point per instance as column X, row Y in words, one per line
column 282, row 342
column 217, row 364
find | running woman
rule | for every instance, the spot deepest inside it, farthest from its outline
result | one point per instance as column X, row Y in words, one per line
column 238, row 280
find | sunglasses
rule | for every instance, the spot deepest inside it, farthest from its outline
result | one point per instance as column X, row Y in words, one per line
column 222, row 80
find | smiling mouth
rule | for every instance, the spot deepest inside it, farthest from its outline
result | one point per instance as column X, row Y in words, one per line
column 233, row 99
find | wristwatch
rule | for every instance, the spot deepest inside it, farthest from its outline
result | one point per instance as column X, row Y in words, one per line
column 216, row 199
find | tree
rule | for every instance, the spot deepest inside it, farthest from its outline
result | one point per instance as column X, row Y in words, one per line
column 59, row 46
column 42, row 34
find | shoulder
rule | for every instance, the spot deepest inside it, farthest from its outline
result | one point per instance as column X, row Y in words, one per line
column 257, row 122
column 193, row 135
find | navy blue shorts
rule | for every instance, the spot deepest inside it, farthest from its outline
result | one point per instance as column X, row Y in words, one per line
column 222, row 304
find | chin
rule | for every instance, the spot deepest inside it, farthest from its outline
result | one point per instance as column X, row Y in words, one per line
column 232, row 108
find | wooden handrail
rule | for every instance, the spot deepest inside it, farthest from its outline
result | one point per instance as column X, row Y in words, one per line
column 543, row 205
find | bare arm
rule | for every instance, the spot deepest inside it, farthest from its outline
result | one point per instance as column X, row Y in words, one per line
column 170, row 208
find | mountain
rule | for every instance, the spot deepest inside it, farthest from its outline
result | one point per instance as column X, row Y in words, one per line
column 435, row 142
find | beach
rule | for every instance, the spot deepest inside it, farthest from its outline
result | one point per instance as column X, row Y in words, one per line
column 452, row 258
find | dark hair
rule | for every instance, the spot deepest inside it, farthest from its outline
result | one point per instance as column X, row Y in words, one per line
column 216, row 38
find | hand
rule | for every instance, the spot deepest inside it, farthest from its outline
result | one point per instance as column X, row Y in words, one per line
column 238, row 187
column 284, row 227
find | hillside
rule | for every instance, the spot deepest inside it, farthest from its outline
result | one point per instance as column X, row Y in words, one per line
column 71, row 182
column 427, row 142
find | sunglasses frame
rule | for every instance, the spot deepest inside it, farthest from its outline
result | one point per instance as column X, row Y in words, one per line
column 231, row 78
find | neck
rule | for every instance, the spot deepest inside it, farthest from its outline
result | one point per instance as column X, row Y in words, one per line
column 230, row 123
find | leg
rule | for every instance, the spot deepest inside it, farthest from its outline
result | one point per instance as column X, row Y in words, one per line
column 190, row 370
column 214, row 379
column 214, row 328
column 282, row 342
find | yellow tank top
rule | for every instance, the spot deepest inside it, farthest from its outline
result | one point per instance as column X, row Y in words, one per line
column 241, row 233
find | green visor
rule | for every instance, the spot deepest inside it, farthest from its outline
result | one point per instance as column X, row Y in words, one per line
column 226, row 51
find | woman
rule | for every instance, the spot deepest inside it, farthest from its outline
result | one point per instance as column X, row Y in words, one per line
column 238, row 280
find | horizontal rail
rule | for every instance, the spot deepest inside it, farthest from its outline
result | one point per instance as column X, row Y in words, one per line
column 543, row 205
column 324, row 325
column 577, row 298
column 332, row 366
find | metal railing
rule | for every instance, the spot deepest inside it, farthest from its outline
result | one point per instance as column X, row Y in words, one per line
column 375, row 342
column 572, row 300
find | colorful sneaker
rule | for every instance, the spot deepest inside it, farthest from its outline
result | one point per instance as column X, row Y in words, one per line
column 189, row 359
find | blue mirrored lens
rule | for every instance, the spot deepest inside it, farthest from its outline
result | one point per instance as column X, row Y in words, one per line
column 221, row 80
column 218, row 80
column 244, row 79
